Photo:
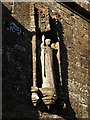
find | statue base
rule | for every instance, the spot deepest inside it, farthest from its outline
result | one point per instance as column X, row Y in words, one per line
column 49, row 96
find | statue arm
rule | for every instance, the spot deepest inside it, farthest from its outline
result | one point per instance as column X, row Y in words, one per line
column 42, row 46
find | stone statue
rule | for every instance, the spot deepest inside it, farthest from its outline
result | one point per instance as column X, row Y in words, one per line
column 47, row 64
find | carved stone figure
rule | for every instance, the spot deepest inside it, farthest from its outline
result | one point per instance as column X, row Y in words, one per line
column 48, row 83
column 47, row 63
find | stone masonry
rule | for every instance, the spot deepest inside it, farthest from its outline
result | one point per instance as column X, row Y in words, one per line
column 74, row 56
column 76, row 36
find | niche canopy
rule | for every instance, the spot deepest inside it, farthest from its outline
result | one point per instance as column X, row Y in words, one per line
column 43, row 19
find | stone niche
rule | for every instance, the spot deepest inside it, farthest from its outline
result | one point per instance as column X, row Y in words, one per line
column 45, row 62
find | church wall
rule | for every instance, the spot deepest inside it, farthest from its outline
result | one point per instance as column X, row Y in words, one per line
column 17, row 61
column 76, row 37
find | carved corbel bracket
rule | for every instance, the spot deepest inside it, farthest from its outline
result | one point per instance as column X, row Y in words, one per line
column 34, row 96
column 49, row 96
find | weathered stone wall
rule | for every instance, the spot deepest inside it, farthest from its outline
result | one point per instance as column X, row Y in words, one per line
column 75, row 40
column 17, row 60
column 75, row 32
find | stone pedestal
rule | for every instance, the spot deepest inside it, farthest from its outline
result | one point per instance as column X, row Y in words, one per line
column 49, row 96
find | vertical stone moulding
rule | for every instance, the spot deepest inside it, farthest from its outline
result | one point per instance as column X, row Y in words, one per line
column 13, row 8
column 34, row 88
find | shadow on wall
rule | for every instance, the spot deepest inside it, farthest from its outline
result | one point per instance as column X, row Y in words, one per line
column 57, row 36
column 16, row 69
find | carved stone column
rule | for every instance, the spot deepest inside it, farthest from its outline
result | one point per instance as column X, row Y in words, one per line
column 12, row 11
column 34, row 88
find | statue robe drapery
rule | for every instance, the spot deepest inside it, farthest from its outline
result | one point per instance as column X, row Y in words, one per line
column 47, row 66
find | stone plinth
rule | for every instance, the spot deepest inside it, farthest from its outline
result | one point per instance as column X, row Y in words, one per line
column 49, row 96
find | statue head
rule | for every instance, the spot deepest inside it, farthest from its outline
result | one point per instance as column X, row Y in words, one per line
column 47, row 41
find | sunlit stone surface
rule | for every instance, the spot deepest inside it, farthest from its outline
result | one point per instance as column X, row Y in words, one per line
column 27, row 91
